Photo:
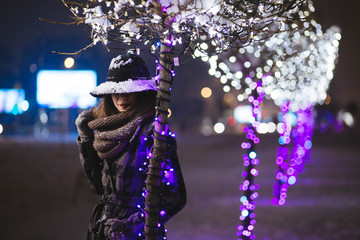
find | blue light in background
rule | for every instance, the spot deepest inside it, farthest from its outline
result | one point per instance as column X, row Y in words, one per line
column 12, row 101
column 59, row 89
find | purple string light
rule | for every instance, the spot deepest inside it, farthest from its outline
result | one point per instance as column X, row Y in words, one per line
column 281, row 186
column 302, row 138
column 291, row 163
column 168, row 178
column 249, row 188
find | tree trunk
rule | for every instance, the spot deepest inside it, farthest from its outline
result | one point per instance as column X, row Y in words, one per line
column 153, row 179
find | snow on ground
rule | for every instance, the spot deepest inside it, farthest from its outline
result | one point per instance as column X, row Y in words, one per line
column 44, row 194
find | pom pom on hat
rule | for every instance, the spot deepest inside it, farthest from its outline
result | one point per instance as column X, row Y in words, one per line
column 127, row 74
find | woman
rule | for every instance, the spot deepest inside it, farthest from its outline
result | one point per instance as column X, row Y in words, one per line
column 115, row 140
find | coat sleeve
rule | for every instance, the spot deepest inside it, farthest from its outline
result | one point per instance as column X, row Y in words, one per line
column 173, row 192
column 92, row 165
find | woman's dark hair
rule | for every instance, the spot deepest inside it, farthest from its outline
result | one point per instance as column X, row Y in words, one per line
column 145, row 102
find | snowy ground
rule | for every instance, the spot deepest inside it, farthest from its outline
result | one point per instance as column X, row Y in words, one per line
column 45, row 196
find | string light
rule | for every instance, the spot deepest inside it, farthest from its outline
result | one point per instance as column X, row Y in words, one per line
column 249, row 188
column 295, row 68
column 167, row 178
column 300, row 82
column 220, row 22
column 290, row 159
column 295, row 72
column 281, row 186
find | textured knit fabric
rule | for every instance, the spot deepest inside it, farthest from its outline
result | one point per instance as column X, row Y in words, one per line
column 121, row 180
column 110, row 140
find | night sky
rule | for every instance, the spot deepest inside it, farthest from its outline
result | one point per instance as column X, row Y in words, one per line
column 25, row 39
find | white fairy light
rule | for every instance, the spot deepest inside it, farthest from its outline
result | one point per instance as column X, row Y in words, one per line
column 232, row 22
column 306, row 74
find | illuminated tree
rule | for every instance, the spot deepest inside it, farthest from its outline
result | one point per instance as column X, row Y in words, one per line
column 293, row 69
column 162, row 25
column 299, row 82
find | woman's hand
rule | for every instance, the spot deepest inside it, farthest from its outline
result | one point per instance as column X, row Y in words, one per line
column 83, row 129
column 125, row 229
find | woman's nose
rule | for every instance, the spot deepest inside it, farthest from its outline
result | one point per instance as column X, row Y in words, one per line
column 122, row 97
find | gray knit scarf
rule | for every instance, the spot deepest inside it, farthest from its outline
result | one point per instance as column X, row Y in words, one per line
column 113, row 133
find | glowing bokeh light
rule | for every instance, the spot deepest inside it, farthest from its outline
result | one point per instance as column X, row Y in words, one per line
column 231, row 121
column 348, row 119
column 206, row 92
column 219, row 127
column 243, row 114
column 252, row 154
column 69, row 62
column 25, row 105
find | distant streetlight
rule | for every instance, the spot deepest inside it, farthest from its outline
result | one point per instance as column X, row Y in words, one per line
column 206, row 92
column 69, row 62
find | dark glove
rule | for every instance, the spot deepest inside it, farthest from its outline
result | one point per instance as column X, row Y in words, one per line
column 85, row 132
column 124, row 229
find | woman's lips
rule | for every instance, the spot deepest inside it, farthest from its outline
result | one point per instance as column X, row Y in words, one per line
column 123, row 105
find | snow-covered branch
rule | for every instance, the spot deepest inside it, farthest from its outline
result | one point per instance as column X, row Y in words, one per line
column 224, row 21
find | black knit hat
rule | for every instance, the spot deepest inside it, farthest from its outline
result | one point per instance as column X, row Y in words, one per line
column 127, row 73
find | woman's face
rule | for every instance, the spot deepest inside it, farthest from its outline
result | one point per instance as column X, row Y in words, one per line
column 123, row 102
